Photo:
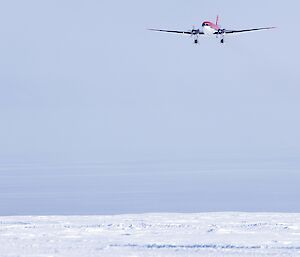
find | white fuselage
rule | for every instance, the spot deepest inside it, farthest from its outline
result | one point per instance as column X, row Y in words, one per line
column 208, row 31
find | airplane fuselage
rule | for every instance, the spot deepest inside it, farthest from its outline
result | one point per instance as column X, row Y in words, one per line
column 209, row 28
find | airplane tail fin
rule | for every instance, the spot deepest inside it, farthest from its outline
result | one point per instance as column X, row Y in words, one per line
column 217, row 20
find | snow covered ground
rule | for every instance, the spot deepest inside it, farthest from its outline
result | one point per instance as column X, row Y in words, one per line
column 207, row 234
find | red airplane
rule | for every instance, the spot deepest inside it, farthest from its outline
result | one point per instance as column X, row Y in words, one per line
column 211, row 29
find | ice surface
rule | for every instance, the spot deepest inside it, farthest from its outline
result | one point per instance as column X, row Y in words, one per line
column 207, row 234
column 147, row 187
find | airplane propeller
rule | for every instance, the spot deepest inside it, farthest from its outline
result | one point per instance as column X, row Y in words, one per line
column 221, row 33
column 194, row 33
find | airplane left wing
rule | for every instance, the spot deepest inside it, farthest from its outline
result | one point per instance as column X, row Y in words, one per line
column 247, row 30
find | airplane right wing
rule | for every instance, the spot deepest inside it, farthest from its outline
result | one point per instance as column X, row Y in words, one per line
column 192, row 32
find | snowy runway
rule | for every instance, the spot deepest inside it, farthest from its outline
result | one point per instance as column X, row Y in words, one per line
column 207, row 234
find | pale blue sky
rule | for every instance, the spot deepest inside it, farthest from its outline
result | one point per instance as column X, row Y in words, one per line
column 85, row 82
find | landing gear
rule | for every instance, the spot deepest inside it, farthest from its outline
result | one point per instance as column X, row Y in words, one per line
column 221, row 34
column 196, row 41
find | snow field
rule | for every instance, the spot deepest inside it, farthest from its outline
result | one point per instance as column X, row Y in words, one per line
column 206, row 234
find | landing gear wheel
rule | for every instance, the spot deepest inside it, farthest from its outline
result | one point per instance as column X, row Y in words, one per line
column 196, row 41
column 222, row 41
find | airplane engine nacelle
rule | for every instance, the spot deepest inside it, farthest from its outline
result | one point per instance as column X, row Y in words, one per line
column 221, row 31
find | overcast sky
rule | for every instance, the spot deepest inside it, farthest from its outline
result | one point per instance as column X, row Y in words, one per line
column 207, row 128
column 85, row 81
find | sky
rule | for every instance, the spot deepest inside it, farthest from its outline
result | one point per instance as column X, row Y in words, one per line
column 85, row 82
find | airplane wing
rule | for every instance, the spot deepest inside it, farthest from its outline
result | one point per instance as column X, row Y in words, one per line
column 246, row 30
column 192, row 32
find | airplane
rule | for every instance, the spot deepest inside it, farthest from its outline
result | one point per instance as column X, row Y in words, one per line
column 211, row 29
